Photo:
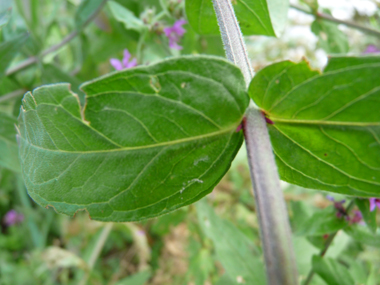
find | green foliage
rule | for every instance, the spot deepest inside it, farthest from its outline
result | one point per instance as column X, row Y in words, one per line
column 331, row 39
column 326, row 127
column 238, row 255
column 263, row 17
column 108, row 158
column 85, row 10
column 127, row 17
column 331, row 271
column 8, row 145
column 150, row 158
column 137, row 279
column 368, row 216
column 321, row 223
column 5, row 12
column 364, row 236
column 8, row 50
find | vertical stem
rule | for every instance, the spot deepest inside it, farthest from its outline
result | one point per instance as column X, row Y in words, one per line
column 273, row 217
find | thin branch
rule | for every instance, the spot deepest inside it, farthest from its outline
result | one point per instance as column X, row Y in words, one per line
column 330, row 18
column 12, row 95
column 270, row 204
column 328, row 243
column 53, row 48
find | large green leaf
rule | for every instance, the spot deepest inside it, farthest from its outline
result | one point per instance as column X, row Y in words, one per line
column 256, row 17
column 236, row 252
column 326, row 131
column 8, row 145
column 150, row 139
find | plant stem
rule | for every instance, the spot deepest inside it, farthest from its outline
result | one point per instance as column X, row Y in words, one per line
column 327, row 246
column 232, row 37
column 330, row 18
column 53, row 48
column 273, row 217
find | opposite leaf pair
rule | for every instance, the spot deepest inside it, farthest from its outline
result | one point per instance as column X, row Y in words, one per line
column 153, row 139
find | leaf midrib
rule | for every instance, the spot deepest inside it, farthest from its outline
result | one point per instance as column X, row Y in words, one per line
column 168, row 143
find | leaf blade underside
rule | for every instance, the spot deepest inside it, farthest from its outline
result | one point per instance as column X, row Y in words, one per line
column 152, row 139
column 326, row 131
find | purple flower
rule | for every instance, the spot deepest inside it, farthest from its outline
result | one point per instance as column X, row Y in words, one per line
column 371, row 49
column 341, row 211
column 175, row 33
column 356, row 218
column 12, row 217
column 125, row 63
column 373, row 202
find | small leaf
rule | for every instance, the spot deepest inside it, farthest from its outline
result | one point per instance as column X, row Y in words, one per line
column 256, row 17
column 8, row 51
column 331, row 271
column 139, row 278
column 126, row 17
column 363, row 235
column 331, row 39
column 326, row 127
column 149, row 140
column 322, row 222
column 8, row 144
column 85, row 10
column 234, row 250
column 368, row 216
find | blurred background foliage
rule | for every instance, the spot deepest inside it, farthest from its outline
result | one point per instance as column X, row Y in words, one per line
column 215, row 241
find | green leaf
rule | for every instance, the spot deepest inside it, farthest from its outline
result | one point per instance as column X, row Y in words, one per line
column 53, row 74
column 278, row 11
column 331, row 39
column 368, row 216
column 85, row 10
column 149, row 140
column 126, row 17
column 331, row 271
column 201, row 16
column 322, row 222
column 326, row 131
column 201, row 266
column 8, row 144
column 234, row 250
column 363, row 235
column 8, row 50
column 164, row 224
column 256, row 17
column 5, row 12
column 139, row 278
